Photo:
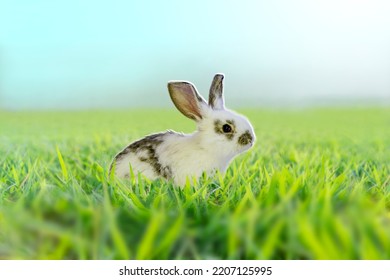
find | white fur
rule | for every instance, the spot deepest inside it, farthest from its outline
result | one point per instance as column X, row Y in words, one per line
column 189, row 155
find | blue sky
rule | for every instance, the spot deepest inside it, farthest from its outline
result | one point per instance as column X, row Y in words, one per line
column 97, row 54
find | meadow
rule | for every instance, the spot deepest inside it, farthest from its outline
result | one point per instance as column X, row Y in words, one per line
column 315, row 186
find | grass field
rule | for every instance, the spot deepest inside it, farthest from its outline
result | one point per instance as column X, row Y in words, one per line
column 315, row 186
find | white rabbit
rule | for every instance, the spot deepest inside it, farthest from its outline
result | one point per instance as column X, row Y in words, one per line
column 221, row 135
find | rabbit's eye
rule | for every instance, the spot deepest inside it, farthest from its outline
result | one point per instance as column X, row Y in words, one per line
column 226, row 128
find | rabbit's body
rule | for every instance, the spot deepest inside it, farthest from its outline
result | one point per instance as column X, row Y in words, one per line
column 179, row 156
column 221, row 135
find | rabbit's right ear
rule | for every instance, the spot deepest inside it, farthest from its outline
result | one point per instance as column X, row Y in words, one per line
column 216, row 100
column 187, row 99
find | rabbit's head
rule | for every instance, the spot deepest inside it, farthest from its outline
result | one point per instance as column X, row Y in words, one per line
column 222, row 131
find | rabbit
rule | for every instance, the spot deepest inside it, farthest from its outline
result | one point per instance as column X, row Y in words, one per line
column 220, row 136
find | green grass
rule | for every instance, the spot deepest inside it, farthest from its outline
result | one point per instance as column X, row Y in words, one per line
column 315, row 186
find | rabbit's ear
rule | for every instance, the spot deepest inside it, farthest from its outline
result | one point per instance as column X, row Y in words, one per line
column 186, row 99
column 216, row 100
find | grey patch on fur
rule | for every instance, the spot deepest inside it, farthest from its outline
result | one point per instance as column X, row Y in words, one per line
column 216, row 90
column 149, row 144
column 245, row 138
column 232, row 123
column 166, row 172
column 218, row 128
column 153, row 160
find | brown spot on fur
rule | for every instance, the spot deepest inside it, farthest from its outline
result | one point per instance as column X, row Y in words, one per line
column 149, row 144
column 218, row 128
column 245, row 138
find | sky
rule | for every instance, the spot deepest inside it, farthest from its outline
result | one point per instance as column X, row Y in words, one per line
column 118, row 54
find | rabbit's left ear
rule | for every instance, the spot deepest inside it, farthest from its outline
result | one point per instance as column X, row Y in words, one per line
column 187, row 99
column 216, row 100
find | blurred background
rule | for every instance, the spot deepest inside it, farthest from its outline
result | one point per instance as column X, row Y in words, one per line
column 79, row 80
column 110, row 54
